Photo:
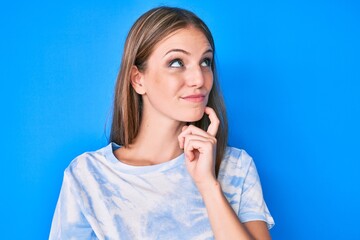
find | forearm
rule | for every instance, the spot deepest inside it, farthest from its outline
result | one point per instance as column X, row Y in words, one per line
column 224, row 222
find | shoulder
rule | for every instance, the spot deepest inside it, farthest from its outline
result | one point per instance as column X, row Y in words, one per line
column 235, row 158
column 87, row 162
column 236, row 166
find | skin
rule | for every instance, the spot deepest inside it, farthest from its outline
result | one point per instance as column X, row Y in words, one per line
column 175, row 87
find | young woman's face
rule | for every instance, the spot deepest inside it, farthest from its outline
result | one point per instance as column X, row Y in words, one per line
column 178, row 76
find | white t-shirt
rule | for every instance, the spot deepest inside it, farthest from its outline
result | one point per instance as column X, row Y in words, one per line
column 103, row 198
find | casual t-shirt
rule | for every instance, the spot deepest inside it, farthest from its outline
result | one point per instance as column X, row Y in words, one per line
column 103, row 198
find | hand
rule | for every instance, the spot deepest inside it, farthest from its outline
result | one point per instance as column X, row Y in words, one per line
column 200, row 150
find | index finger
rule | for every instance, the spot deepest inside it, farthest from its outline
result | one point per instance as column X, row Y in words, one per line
column 214, row 121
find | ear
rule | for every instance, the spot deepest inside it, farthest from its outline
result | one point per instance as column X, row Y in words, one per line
column 137, row 80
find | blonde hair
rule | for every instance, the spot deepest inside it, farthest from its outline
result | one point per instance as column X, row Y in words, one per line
column 146, row 32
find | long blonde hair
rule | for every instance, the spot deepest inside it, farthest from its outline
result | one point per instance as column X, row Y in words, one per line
column 146, row 32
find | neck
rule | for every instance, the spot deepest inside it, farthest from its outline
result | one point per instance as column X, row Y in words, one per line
column 157, row 140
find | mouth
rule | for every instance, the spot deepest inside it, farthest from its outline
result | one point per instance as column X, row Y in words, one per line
column 194, row 98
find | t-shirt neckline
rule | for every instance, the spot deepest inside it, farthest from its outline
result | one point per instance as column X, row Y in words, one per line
column 131, row 169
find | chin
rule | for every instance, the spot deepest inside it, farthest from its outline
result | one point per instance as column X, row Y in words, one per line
column 194, row 117
column 191, row 120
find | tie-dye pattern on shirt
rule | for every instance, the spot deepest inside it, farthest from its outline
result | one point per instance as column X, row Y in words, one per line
column 103, row 198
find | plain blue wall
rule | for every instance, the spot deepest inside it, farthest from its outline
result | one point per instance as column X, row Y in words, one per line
column 289, row 71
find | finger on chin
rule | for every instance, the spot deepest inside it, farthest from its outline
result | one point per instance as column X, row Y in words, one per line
column 214, row 121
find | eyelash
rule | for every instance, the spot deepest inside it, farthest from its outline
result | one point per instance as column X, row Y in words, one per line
column 206, row 60
column 176, row 60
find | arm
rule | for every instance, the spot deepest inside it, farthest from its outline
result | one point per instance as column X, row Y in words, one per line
column 200, row 148
column 223, row 219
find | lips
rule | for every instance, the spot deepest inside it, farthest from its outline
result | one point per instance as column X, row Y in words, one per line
column 194, row 98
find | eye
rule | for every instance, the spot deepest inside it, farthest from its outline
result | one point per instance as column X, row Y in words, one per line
column 176, row 63
column 206, row 62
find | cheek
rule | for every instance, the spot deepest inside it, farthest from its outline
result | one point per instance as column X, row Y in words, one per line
column 209, row 80
column 169, row 84
column 164, row 87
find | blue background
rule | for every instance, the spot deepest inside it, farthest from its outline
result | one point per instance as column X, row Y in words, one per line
column 289, row 71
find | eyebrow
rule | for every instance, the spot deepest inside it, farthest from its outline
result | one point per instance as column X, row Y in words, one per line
column 185, row 52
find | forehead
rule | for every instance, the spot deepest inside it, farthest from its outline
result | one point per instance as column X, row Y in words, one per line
column 190, row 38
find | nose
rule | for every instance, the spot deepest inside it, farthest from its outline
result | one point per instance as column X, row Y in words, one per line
column 195, row 77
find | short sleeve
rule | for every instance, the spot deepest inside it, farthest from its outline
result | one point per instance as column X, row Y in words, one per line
column 69, row 221
column 252, row 205
column 241, row 185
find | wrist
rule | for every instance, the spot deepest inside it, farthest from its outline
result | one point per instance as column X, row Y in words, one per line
column 208, row 187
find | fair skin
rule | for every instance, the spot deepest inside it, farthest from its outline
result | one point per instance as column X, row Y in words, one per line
column 175, row 87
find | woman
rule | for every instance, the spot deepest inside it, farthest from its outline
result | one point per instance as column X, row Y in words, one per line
column 167, row 173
